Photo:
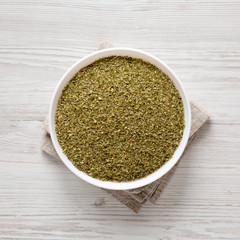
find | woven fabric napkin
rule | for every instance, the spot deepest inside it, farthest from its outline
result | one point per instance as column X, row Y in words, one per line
column 134, row 199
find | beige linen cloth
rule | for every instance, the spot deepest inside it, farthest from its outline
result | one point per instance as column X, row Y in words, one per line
column 134, row 199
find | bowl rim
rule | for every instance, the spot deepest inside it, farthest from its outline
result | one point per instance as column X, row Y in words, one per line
column 109, row 184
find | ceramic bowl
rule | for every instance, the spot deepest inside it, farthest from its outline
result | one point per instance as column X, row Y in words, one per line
column 135, row 54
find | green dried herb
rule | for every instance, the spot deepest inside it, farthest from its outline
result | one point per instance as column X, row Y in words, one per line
column 119, row 119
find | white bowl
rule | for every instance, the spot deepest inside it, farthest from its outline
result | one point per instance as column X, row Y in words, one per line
column 135, row 54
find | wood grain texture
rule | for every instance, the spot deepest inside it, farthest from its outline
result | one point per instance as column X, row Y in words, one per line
column 39, row 40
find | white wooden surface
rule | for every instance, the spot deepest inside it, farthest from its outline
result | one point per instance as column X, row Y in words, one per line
column 39, row 40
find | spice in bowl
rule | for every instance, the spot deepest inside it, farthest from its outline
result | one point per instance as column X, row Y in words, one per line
column 119, row 119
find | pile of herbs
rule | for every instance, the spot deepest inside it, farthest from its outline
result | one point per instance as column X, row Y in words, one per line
column 119, row 119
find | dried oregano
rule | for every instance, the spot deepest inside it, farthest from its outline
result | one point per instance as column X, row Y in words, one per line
column 119, row 119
